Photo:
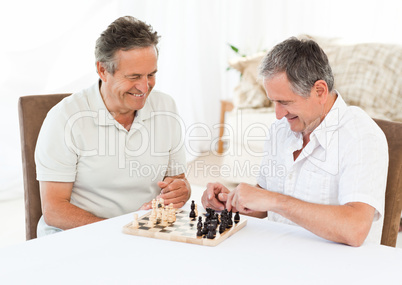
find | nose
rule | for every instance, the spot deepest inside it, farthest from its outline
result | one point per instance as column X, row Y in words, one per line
column 143, row 85
column 280, row 111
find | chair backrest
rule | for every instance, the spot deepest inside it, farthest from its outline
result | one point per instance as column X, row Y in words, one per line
column 32, row 111
column 393, row 194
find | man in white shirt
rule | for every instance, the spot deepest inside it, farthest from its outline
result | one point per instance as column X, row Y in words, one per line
column 112, row 148
column 335, row 157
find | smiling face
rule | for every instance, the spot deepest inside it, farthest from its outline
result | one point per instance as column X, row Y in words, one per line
column 303, row 114
column 127, row 89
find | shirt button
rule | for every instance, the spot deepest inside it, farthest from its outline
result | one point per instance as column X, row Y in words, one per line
column 290, row 175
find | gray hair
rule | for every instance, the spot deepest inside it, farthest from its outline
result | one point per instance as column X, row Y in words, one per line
column 125, row 33
column 303, row 61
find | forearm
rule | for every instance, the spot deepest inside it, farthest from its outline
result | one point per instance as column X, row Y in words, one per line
column 348, row 224
column 57, row 209
column 65, row 215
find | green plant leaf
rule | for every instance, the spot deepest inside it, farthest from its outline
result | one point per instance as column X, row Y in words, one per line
column 235, row 49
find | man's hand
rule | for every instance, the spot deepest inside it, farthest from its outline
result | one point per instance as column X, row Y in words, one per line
column 215, row 196
column 175, row 190
column 249, row 200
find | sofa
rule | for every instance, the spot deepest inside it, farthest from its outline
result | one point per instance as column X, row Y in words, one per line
column 368, row 75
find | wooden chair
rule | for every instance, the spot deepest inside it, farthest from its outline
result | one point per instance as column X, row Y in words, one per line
column 32, row 111
column 393, row 195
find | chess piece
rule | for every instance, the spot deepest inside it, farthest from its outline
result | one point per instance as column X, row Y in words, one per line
column 221, row 228
column 172, row 214
column 199, row 224
column 164, row 220
column 205, row 228
column 192, row 212
column 210, row 234
column 151, row 221
column 217, row 218
column 199, row 228
column 229, row 220
column 196, row 210
column 207, row 214
column 237, row 218
column 135, row 224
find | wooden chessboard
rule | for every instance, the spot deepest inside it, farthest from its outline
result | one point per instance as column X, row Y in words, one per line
column 183, row 230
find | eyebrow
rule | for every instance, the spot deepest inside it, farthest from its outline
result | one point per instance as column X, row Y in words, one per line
column 137, row 74
column 280, row 101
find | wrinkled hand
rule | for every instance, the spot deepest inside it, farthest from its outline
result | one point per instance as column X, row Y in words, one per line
column 175, row 190
column 215, row 196
column 247, row 199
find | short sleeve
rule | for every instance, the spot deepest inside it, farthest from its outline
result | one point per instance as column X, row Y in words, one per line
column 55, row 161
column 364, row 169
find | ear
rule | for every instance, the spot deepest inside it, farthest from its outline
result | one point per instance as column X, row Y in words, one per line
column 101, row 71
column 320, row 89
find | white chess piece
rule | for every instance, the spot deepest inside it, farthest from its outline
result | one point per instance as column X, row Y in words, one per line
column 164, row 221
column 135, row 224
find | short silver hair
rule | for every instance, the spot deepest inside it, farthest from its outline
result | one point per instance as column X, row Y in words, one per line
column 303, row 61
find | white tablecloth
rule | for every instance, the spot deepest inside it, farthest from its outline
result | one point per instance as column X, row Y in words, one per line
column 262, row 252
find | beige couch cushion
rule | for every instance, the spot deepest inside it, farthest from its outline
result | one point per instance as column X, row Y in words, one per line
column 249, row 93
column 368, row 75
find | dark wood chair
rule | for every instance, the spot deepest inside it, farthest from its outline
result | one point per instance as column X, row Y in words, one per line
column 393, row 195
column 32, row 111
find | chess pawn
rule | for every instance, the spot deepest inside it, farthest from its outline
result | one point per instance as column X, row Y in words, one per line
column 135, row 224
column 199, row 232
column 153, row 204
column 152, row 221
column 164, row 221
column 173, row 214
column 196, row 210
column 237, row 218
column 221, row 228
column 229, row 221
column 153, row 214
column 199, row 224
column 211, row 231
column 158, row 215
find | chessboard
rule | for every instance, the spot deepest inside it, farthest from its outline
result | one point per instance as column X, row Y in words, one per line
column 184, row 229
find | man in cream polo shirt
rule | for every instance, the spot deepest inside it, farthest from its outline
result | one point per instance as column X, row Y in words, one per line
column 112, row 148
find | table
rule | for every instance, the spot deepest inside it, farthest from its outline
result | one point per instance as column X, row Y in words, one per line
column 262, row 252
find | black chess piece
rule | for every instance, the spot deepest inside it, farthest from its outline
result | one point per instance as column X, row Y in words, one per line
column 205, row 228
column 199, row 224
column 192, row 212
column 217, row 218
column 211, row 230
column 199, row 229
column 207, row 214
column 229, row 220
column 221, row 228
column 237, row 218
